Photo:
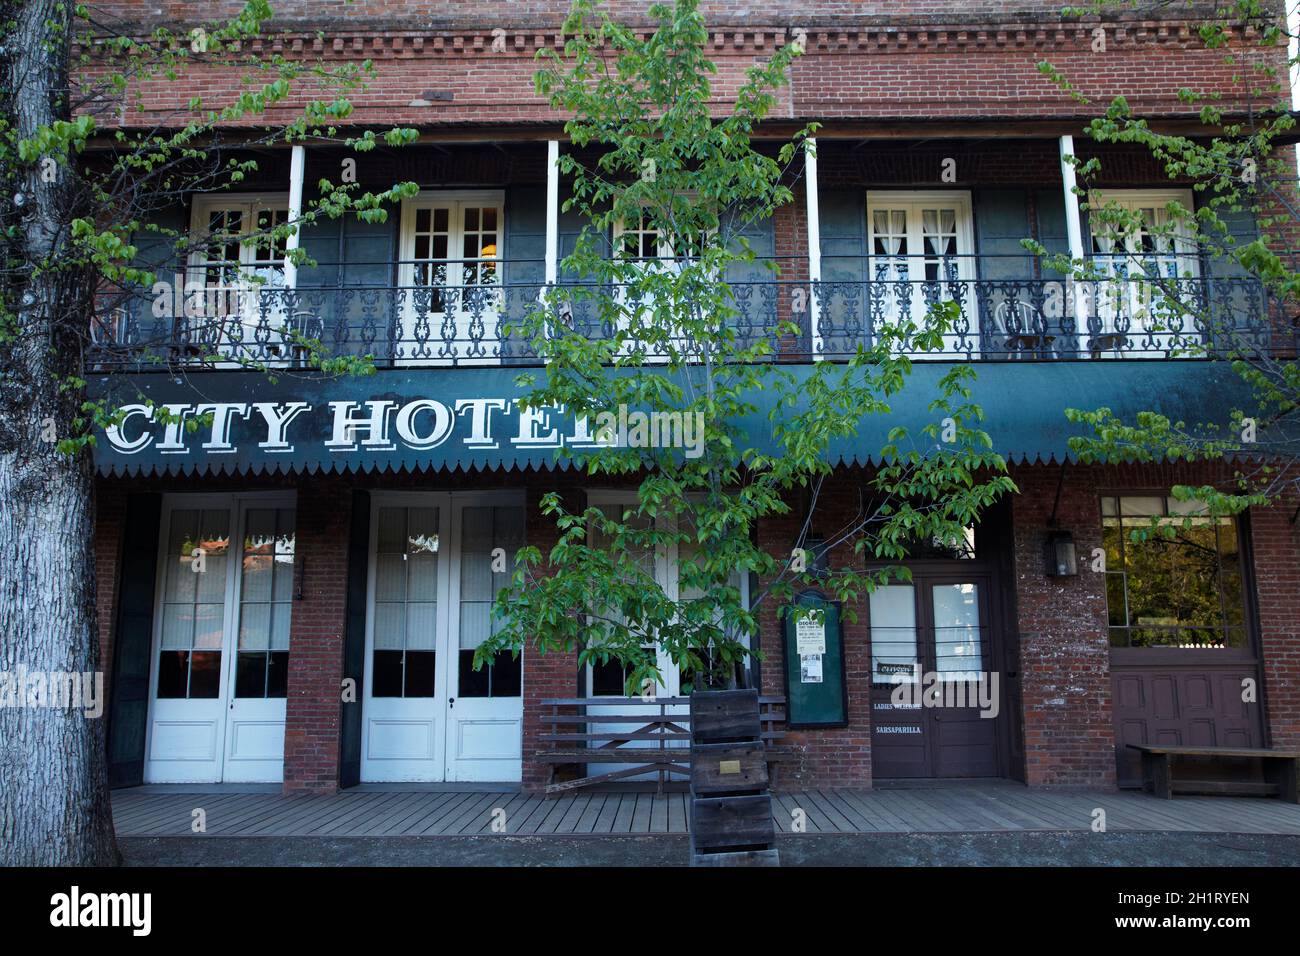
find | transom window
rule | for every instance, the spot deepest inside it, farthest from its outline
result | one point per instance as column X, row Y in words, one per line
column 1181, row 585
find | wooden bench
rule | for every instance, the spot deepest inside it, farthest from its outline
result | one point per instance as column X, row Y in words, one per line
column 1281, row 771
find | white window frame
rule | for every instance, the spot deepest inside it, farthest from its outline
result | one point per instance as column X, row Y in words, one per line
column 1131, row 298
column 247, row 313
column 914, row 200
column 457, row 200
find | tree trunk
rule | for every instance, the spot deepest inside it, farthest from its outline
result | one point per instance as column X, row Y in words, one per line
column 54, row 807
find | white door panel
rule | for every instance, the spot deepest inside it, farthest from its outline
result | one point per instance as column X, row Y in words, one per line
column 221, row 643
column 405, row 688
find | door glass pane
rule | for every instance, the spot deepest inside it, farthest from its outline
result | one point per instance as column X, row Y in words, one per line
column 265, row 601
column 485, row 570
column 893, row 635
column 193, row 603
column 958, row 650
column 406, row 602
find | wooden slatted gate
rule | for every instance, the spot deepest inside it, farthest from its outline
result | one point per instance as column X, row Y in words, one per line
column 643, row 736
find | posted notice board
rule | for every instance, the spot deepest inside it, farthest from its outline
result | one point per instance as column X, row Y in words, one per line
column 815, row 691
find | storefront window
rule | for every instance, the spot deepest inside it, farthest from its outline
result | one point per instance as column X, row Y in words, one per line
column 1178, row 581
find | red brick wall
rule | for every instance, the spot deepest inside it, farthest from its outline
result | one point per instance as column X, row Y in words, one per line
column 552, row 674
column 961, row 62
column 316, row 633
column 1275, row 539
column 834, row 757
column 1064, row 647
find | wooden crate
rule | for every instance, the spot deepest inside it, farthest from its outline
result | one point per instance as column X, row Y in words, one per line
column 731, row 805
column 728, row 768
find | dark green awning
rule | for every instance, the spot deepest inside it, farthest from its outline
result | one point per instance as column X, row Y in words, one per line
column 466, row 418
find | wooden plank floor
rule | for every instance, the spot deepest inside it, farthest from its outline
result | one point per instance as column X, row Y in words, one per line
column 172, row 811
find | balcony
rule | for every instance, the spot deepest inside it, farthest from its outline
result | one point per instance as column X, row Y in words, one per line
column 1021, row 315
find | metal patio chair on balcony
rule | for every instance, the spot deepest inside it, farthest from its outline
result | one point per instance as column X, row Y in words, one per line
column 1020, row 330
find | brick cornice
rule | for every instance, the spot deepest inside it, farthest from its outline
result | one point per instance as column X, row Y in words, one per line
column 821, row 39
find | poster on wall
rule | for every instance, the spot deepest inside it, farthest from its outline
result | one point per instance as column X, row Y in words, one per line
column 815, row 688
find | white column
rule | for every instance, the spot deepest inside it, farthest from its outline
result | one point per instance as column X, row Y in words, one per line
column 814, row 245
column 1073, row 231
column 1073, row 223
column 552, row 212
column 297, row 167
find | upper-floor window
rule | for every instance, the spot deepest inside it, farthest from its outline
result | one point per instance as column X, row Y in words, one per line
column 231, row 308
column 1181, row 583
column 1133, row 229
column 1151, row 300
column 235, row 245
column 642, row 240
column 921, row 246
column 449, row 277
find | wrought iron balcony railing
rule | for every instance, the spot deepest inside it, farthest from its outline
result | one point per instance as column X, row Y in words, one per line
column 1121, row 313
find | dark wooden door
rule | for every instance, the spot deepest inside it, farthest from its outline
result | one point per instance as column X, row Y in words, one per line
column 935, row 636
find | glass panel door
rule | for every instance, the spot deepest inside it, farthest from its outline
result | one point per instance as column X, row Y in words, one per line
column 255, row 717
column 1149, row 304
column 221, row 647
column 405, row 686
column 231, row 305
column 934, row 705
column 450, row 276
column 484, row 706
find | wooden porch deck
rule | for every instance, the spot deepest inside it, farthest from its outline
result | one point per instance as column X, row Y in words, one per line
column 159, row 811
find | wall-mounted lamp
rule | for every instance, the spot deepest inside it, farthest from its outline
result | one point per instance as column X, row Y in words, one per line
column 1062, row 562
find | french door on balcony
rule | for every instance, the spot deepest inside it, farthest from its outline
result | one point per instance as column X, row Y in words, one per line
column 220, row 660
column 231, row 309
column 1148, row 303
column 436, row 564
column 921, row 246
column 450, row 301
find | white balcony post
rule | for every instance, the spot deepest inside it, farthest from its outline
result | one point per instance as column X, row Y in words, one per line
column 814, row 246
column 1073, row 229
column 297, row 167
column 552, row 212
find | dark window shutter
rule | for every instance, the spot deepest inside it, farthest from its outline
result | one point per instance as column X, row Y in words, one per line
column 128, row 714
column 354, row 639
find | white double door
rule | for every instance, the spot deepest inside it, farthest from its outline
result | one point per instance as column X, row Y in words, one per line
column 450, row 280
column 922, row 246
column 220, row 655
column 1148, row 305
column 437, row 561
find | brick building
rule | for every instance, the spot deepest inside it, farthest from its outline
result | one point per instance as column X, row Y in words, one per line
column 354, row 525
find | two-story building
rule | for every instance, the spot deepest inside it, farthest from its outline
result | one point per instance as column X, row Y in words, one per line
column 293, row 593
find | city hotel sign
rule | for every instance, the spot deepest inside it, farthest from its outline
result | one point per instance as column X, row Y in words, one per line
column 235, row 422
